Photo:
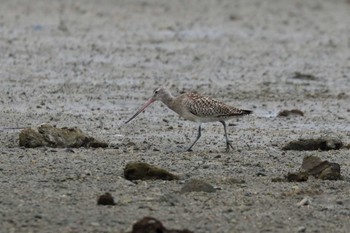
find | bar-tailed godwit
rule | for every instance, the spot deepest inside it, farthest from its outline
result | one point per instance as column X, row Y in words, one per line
column 197, row 108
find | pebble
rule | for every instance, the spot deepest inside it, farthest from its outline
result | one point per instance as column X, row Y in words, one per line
column 105, row 199
column 144, row 171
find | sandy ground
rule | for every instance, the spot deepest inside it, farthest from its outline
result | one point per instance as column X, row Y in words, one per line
column 91, row 64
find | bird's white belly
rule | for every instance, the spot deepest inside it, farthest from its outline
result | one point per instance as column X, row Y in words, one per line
column 191, row 117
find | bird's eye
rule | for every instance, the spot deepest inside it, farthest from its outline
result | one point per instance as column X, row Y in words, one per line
column 156, row 92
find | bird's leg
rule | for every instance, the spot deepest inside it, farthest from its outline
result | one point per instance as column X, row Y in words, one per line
column 198, row 136
column 228, row 143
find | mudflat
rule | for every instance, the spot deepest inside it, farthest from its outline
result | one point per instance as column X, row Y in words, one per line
column 92, row 64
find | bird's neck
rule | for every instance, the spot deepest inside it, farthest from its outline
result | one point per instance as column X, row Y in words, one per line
column 168, row 100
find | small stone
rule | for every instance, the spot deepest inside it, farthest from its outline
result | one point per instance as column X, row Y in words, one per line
column 260, row 174
column 339, row 202
column 105, row 199
column 152, row 225
column 293, row 112
column 302, row 76
column 195, row 185
column 70, row 150
column 297, row 177
column 301, row 229
column 323, row 143
column 144, row 171
column 332, row 172
column 95, row 224
column 148, row 225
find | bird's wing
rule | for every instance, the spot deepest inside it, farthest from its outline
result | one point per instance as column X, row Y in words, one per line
column 203, row 106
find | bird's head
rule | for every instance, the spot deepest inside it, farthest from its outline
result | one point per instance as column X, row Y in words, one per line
column 159, row 93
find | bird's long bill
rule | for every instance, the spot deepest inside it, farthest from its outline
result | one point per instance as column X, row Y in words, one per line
column 151, row 100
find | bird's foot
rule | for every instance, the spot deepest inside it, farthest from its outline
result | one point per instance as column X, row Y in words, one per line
column 228, row 146
column 189, row 149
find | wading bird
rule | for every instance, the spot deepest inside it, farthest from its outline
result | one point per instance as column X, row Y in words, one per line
column 197, row 108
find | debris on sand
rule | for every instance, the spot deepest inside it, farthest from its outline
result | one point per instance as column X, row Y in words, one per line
column 195, row 185
column 314, row 166
column 296, row 191
column 304, row 202
column 152, row 225
column 105, row 199
column 297, row 177
column 50, row 136
column 293, row 112
column 322, row 143
column 144, row 171
column 174, row 199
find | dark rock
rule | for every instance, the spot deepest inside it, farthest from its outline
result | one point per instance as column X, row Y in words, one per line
column 195, row 185
column 324, row 170
column 297, row 177
column 31, row 138
column 148, row 225
column 301, row 76
column 318, row 168
column 70, row 150
column 152, row 225
column 323, row 143
column 310, row 162
column 50, row 136
column 331, row 172
column 313, row 166
column 105, row 199
column 260, row 174
column 144, row 171
column 293, row 112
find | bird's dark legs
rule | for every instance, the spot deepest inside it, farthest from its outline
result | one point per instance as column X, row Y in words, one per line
column 198, row 136
column 228, row 143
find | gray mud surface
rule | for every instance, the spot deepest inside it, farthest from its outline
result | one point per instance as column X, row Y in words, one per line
column 91, row 64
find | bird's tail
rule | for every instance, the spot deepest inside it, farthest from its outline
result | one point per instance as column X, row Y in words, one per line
column 246, row 112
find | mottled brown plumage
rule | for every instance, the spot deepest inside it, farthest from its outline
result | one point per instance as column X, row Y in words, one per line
column 209, row 108
column 195, row 107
